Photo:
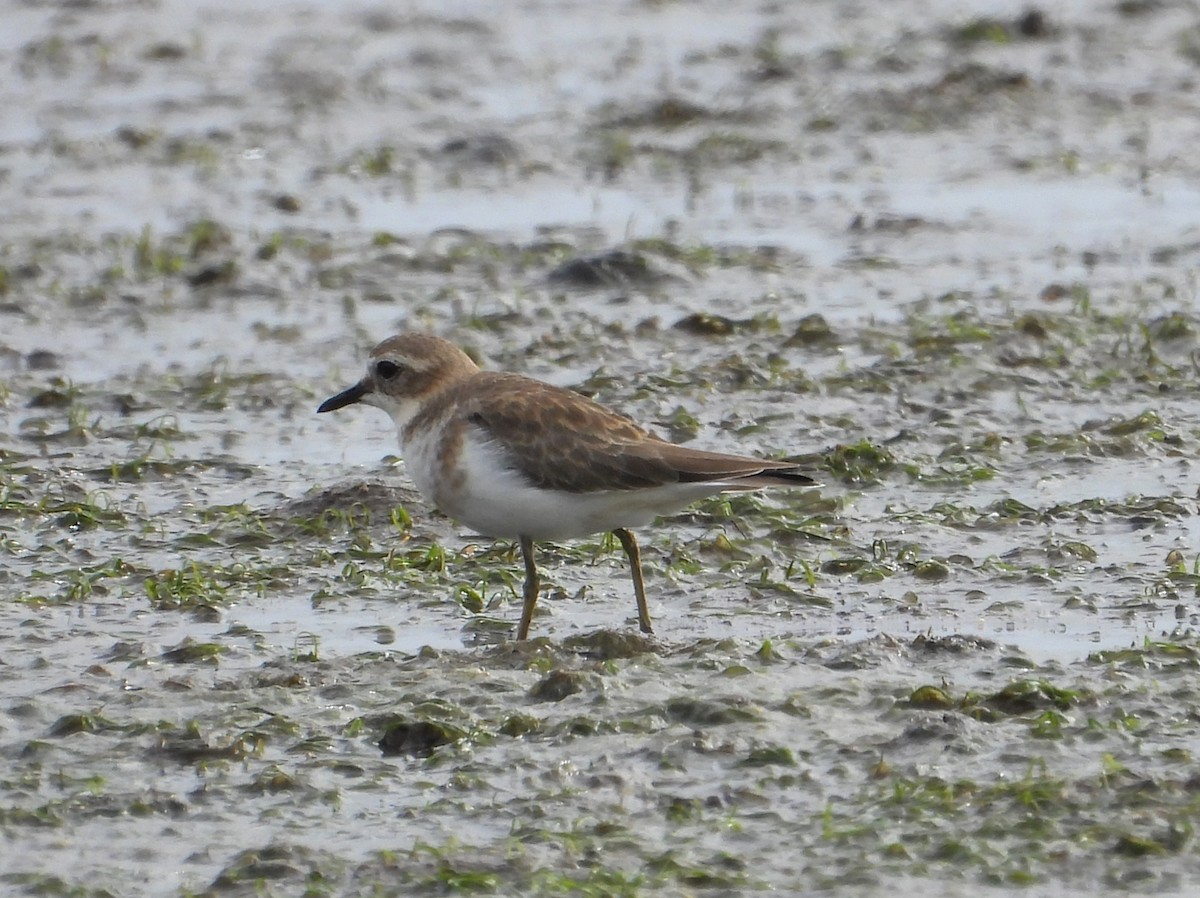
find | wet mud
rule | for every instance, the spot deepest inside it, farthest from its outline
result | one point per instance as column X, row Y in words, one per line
column 946, row 261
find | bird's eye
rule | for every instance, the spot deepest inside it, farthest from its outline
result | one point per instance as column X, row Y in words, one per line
column 387, row 370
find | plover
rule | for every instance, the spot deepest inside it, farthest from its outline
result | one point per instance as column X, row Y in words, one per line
column 516, row 458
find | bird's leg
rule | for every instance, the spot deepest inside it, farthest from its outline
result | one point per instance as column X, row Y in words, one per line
column 635, row 566
column 531, row 587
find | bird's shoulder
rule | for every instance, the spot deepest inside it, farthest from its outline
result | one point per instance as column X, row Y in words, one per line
column 557, row 438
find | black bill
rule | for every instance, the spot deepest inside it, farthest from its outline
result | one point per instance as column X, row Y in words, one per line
column 344, row 398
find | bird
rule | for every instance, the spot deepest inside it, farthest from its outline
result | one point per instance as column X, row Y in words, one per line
column 512, row 457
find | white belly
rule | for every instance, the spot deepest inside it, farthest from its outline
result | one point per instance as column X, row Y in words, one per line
column 479, row 490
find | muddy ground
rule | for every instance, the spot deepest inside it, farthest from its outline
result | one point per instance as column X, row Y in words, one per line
column 945, row 260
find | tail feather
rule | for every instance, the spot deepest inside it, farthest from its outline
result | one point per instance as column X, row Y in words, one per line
column 782, row 477
column 740, row 472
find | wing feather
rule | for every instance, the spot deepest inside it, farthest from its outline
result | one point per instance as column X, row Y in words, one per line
column 561, row 440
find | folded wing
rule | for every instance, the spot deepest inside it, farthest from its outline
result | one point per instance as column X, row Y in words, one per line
column 576, row 445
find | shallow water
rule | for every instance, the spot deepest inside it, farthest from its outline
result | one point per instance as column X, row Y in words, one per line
column 968, row 662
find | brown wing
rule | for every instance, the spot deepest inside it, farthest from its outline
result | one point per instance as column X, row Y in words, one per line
column 561, row 440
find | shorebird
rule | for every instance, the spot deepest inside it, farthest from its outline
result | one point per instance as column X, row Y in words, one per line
column 516, row 458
